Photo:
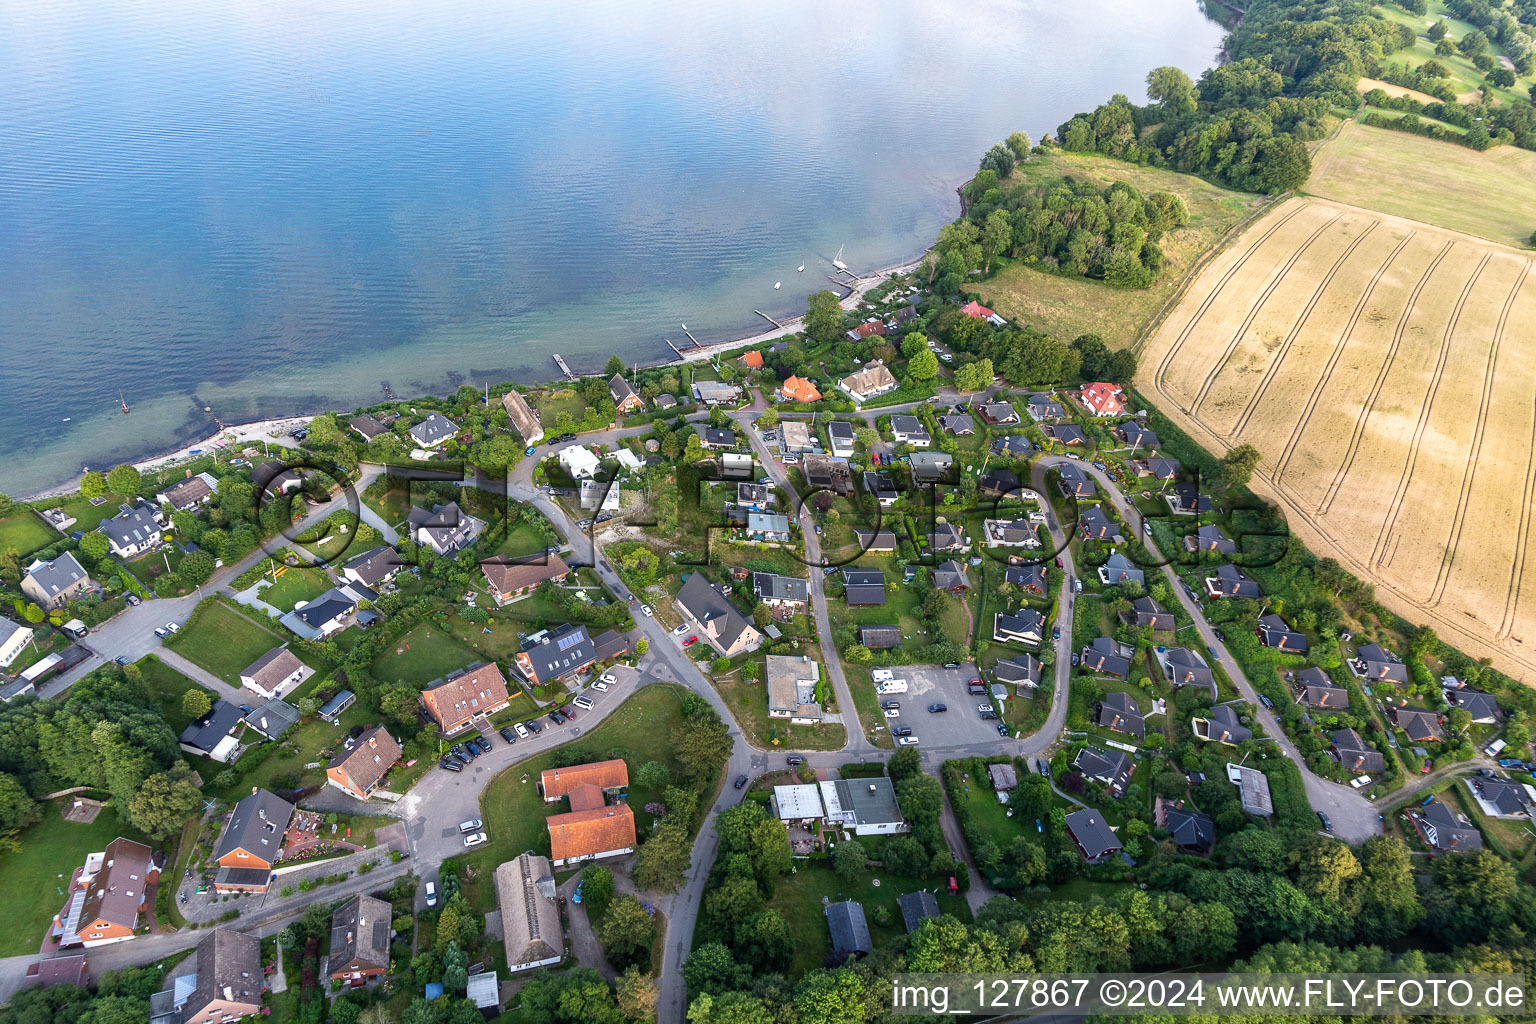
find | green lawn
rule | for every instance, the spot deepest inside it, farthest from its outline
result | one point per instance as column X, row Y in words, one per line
column 1465, row 76
column 294, row 585
column 167, row 686
column 800, row 899
column 523, row 539
column 328, row 539
column 748, row 701
column 25, row 533
column 298, row 747
column 424, row 654
column 37, row 877
column 222, row 640
column 550, row 406
column 639, row 730
column 87, row 516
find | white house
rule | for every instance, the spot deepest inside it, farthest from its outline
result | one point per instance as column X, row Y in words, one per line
column 14, row 638
column 578, row 461
column 275, row 673
column 866, row 806
column 134, row 530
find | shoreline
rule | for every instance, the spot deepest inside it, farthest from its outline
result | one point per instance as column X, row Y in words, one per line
column 273, row 429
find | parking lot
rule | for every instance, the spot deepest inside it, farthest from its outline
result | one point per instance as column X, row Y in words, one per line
column 960, row 726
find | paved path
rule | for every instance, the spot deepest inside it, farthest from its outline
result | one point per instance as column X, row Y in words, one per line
column 203, row 677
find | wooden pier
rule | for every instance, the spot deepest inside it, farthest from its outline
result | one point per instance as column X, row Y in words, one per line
column 560, row 362
column 674, row 347
column 770, row 319
column 696, row 342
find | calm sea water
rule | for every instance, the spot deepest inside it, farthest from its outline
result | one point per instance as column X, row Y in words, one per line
column 270, row 207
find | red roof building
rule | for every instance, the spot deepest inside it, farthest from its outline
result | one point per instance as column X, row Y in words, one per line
column 974, row 308
column 1104, row 399
column 752, row 360
column 798, row 389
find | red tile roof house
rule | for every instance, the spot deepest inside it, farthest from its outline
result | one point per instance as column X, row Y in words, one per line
column 58, row 970
column 363, row 762
column 1103, row 399
column 107, row 896
column 510, row 578
column 456, row 702
column 594, row 828
column 976, row 309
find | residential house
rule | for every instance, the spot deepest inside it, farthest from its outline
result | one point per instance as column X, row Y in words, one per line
column 1376, row 663
column 795, row 437
column 624, row 398
column 1065, row 433
column 1111, row 769
column 433, row 430
column 781, row 591
column 1184, row 667
column 1094, row 838
column 753, row 360
column 1012, row 447
column 229, row 979
column 578, row 461
column 1026, row 577
column 52, row 585
column 1503, row 798
column 1095, row 524
column 1190, row 830
column 251, row 842
column 1222, row 725
column 708, row 610
column 715, row 392
column 610, row 778
column 14, row 638
column 841, row 435
column 593, row 829
column 599, row 495
column 1137, row 435
column 950, row 575
column 1419, row 725
column 876, row 542
column 1483, row 708
column 272, row 718
column 1074, row 483
column 629, row 460
column 367, row 427
column 275, row 674
column 457, row 701
column 329, row 613
column 1018, row 533
column 1315, row 690
column 791, row 683
column 134, row 530
column 767, row 527
column 58, row 970
column 1185, row 499
column 1107, row 657
column 1000, row 483
column 1042, row 406
column 976, row 309
column 958, row 423
column 530, row 912
column 332, row 710
column 522, row 417
column 213, row 735
column 1120, row 712
column 373, row 567
column 1025, row 626
column 1146, row 613
column 870, row 382
column 946, row 537
column 827, row 472
column 849, row 930
column 360, row 930
column 871, row 328
column 881, row 488
column 1230, row 581
column 446, row 530
column 799, row 389
column 1210, row 537
column 1022, row 671
column 1445, row 830
column 567, row 650
column 276, row 479
column 755, row 497
column 865, row 807
column 917, row 907
column 906, row 314
column 1103, row 399
column 1157, row 468
column 362, row 762
column 190, row 493
column 108, row 896
column 1274, row 632
column 909, row 430
column 996, row 414
column 798, row 803
column 1354, row 753
column 864, row 588
column 1252, row 789
column 931, row 467
column 716, row 439
column 880, row 638
column 509, row 578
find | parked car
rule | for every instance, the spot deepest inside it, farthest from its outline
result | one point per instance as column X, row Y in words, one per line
column 160, row 632
column 533, row 726
column 431, row 894
column 529, row 450
column 478, row 839
column 1055, row 632
column 952, row 664
column 521, row 729
column 1266, row 702
column 891, row 712
column 554, row 716
column 645, row 610
column 680, row 630
column 567, row 714
column 741, row 780
column 1075, row 656
column 608, row 677
column 794, row 759
column 907, row 741
column 457, row 750
column 121, row 659
column 133, row 599
column 584, row 702
column 690, row 641
column 1002, row 728
column 451, row 763
column 600, row 686
column 171, row 627
column 936, row 708
column 901, row 730
column 472, row 825
column 508, row 735
column 1327, row 824
column 888, row 704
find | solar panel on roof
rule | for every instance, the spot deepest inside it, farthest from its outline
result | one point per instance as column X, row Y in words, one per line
column 568, row 641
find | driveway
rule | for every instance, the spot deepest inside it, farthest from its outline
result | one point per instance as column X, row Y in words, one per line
column 961, row 728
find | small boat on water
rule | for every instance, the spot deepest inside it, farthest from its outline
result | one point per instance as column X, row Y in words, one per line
column 837, row 261
column 122, row 400
column 800, row 269
column 66, row 419
column 777, row 285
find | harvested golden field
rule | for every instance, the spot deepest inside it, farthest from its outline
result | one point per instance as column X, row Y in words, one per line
column 1492, row 194
column 1387, row 371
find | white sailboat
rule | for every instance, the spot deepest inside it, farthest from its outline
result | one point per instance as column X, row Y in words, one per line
column 777, row 285
column 800, row 269
column 837, row 261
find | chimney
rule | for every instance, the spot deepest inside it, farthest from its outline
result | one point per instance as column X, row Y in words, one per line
column 261, row 812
